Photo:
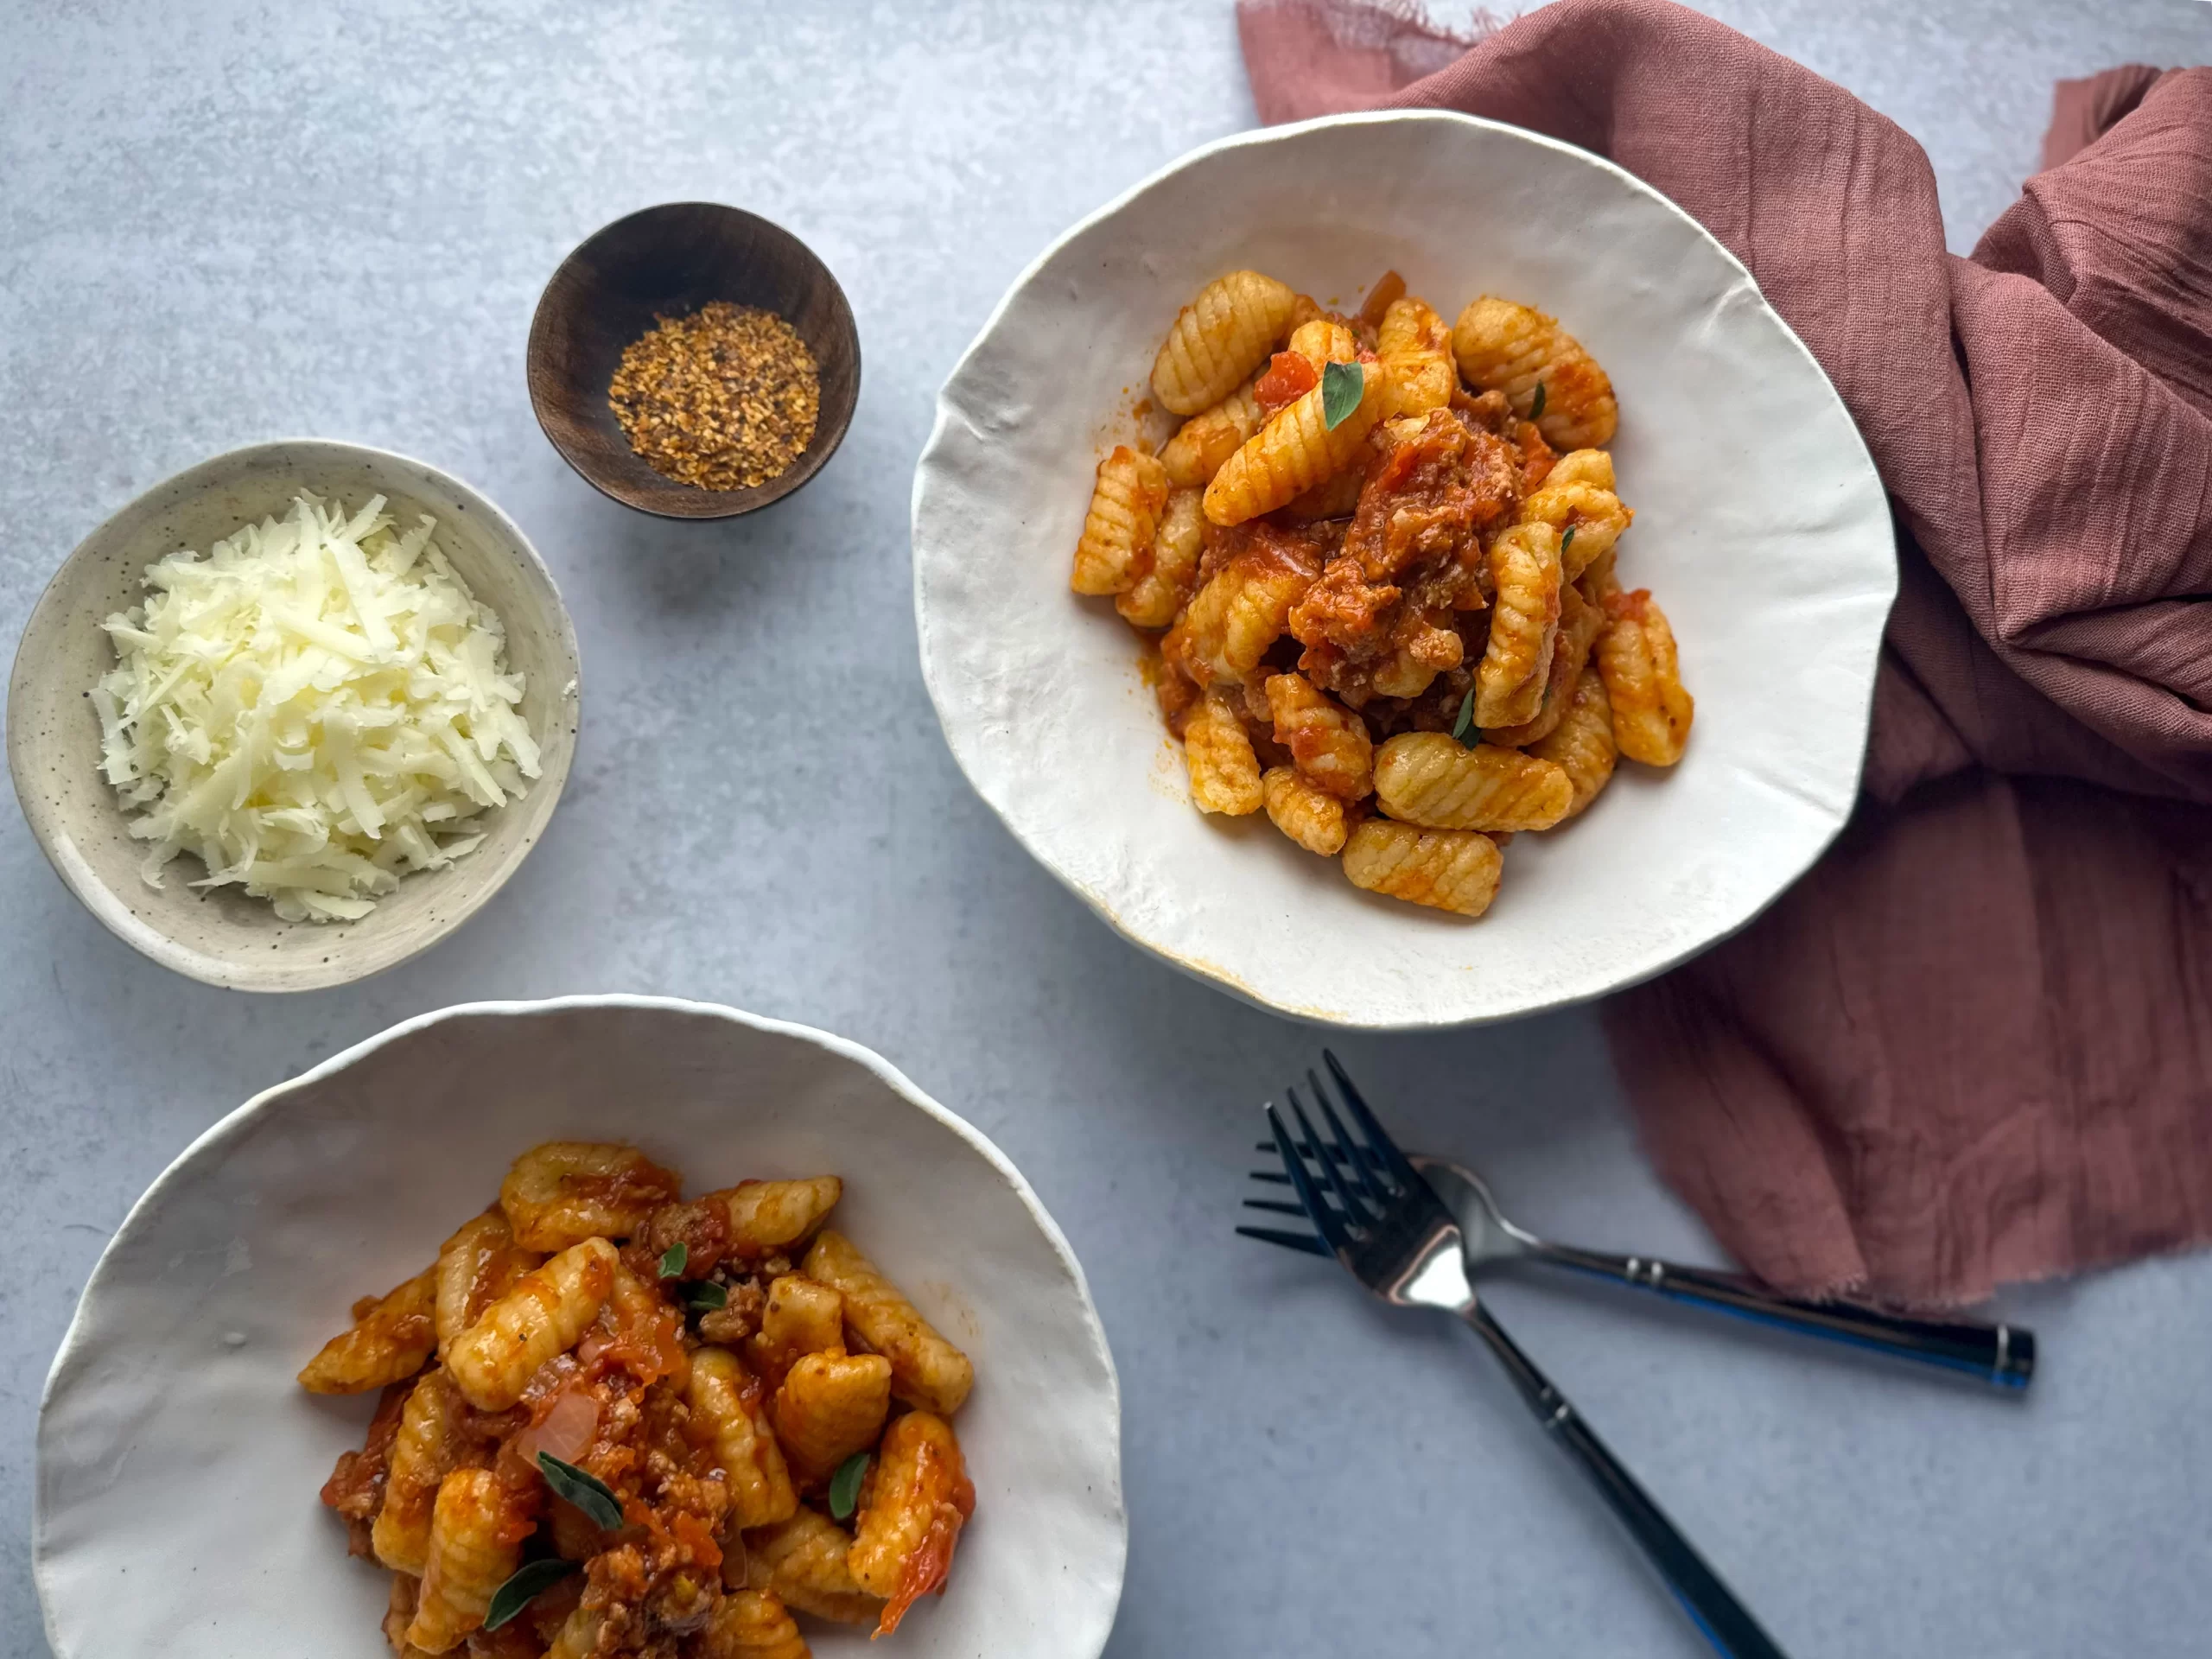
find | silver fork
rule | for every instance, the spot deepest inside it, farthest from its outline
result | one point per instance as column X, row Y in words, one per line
column 1376, row 1214
column 2003, row 1355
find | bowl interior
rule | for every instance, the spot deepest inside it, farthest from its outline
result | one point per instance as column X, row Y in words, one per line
column 179, row 1460
column 669, row 261
column 1761, row 528
column 222, row 936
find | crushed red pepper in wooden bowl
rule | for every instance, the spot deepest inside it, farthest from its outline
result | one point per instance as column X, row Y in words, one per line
column 724, row 399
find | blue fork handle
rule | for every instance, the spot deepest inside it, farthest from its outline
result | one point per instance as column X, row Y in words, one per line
column 2000, row 1355
column 1711, row 1607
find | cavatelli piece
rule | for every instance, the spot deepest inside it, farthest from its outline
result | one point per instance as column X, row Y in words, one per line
column 1519, row 351
column 1636, row 654
column 1446, row 869
column 1117, row 531
column 1224, row 770
column 1524, row 621
column 1310, row 816
column 1581, row 744
column 1219, row 339
column 1430, row 778
column 1293, row 452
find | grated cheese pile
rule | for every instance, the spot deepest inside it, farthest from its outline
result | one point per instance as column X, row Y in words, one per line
column 315, row 708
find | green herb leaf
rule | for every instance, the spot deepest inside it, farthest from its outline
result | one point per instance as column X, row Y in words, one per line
column 673, row 1258
column 1536, row 408
column 1343, row 384
column 588, row 1493
column 519, row 1592
column 845, row 1485
column 1565, row 542
column 1463, row 728
column 709, row 1295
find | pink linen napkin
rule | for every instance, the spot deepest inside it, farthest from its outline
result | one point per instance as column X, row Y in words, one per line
column 1975, row 1044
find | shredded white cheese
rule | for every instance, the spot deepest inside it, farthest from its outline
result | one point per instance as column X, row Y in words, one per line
column 315, row 708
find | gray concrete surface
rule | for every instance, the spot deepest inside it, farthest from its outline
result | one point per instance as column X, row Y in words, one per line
column 221, row 221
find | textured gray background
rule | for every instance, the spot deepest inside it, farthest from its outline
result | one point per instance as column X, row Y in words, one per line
column 221, row 222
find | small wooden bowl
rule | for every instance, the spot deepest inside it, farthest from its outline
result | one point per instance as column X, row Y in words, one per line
column 668, row 261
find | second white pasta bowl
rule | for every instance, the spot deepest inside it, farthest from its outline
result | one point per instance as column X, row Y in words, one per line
column 1761, row 526
column 179, row 1460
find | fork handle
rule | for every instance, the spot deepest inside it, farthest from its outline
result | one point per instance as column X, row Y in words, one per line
column 2000, row 1355
column 1712, row 1607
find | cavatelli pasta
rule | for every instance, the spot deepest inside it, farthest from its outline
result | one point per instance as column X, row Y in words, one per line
column 566, row 1191
column 1445, row 554
column 542, row 1316
column 728, row 1414
column 1325, row 340
column 805, row 1561
column 1335, row 497
column 1218, row 340
column 1217, row 752
column 926, row 1370
column 1524, row 621
column 1514, row 349
column 1591, row 466
column 1194, row 455
column 1293, row 452
column 802, row 1316
column 1328, row 743
column 391, row 1337
column 829, row 1407
column 608, row 1374
column 1588, row 518
column 770, row 1217
column 431, row 1444
column 1579, row 622
column 1166, row 584
column 1643, row 683
column 1310, row 816
column 750, row 1625
column 1430, row 780
column 1232, row 621
column 904, row 1535
column 475, row 1544
column 478, row 1265
column 1581, row 744
column 1414, row 346
column 1126, row 503
column 1446, row 869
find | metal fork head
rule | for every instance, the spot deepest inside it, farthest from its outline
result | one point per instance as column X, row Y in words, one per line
column 1371, row 1209
column 1489, row 1236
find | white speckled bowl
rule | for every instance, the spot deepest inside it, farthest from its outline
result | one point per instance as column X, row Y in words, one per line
column 179, row 1461
column 1761, row 527
column 222, row 936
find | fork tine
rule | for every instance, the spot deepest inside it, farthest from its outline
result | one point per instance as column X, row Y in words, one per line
column 1379, row 1140
column 1305, row 1243
column 1366, row 1172
column 1354, row 1204
column 1276, row 1207
column 1359, row 1152
column 1274, row 1176
column 1325, row 1221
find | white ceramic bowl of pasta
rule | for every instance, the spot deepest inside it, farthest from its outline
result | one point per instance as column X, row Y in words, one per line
column 179, row 1461
column 1761, row 527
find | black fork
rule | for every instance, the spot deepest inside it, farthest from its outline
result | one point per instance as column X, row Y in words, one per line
column 1372, row 1211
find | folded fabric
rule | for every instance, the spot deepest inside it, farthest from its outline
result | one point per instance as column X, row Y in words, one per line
column 1975, row 1044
